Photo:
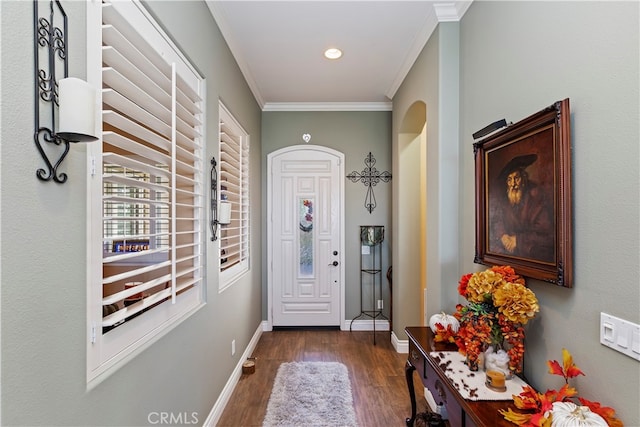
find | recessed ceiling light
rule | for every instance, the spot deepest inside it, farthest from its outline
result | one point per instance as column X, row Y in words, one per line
column 333, row 53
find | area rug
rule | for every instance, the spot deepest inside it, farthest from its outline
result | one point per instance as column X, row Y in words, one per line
column 311, row 394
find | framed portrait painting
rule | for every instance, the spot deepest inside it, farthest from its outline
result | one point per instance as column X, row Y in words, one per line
column 523, row 196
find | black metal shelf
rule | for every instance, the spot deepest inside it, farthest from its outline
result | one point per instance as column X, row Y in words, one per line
column 371, row 236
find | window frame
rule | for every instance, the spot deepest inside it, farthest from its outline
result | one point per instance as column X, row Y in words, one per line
column 107, row 352
column 240, row 214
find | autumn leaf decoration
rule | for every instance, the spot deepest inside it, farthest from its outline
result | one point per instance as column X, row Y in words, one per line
column 540, row 405
column 568, row 368
column 443, row 334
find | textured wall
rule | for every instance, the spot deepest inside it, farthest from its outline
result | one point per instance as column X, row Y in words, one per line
column 517, row 58
column 430, row 89
column 355, row 134
column 44, row 331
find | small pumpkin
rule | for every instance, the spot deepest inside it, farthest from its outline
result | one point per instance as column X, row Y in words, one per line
column 568, row 414
column 445, row 320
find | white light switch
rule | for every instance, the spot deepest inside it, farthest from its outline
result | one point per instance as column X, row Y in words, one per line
column 620, row 335
column 607, row 331
column 635, row 342
column 623, row 336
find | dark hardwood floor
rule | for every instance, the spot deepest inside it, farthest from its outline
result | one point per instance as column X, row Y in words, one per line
column 377, row 375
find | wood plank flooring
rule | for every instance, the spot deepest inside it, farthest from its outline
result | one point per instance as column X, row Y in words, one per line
column 377, row 375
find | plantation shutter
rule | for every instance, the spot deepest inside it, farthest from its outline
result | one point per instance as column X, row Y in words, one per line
column 152, row 173
column 234, row 189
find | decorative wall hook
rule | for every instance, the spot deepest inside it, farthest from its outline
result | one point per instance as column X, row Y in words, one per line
column 70, row 100
column 370, row 177
column 306, row 137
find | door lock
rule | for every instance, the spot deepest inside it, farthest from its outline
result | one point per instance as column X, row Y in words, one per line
column 334, row 263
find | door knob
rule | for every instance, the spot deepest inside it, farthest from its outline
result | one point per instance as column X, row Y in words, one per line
column 334, row 263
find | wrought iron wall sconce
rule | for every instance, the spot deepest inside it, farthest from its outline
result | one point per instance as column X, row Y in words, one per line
column 370, row 177
column 69, row 104
column 213, row 223
column 224, row 216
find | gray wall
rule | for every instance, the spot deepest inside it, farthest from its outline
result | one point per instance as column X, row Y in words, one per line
column 515, row 59
column 431, row 88
column 355, row 134
column 43, row 308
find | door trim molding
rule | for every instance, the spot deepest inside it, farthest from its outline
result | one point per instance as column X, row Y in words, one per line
column 270, row 158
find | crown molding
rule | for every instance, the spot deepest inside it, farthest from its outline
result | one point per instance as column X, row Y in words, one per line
column 442, row 12
column 327, row 106
column 431, row 22
column 452, row 11
column 221, row 21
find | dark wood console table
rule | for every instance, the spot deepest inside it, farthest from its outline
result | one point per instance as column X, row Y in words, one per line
column 461, row 412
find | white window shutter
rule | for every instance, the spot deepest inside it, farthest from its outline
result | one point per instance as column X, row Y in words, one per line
column 152, row 182
column 234, row 189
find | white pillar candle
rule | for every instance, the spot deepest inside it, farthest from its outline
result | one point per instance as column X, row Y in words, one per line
column 225, row 213
column 77, row 110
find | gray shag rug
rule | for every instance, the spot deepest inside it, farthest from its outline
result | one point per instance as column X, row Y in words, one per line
column 311, row 394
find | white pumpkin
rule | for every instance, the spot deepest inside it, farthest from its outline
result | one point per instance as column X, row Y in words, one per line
column 568, row 414
column 445, row 320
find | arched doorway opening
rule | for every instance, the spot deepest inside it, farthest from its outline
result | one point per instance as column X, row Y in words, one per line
column 410, row 216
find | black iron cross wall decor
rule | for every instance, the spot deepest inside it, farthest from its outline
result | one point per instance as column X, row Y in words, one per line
column 370, row 177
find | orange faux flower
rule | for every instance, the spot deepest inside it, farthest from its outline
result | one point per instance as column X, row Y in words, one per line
column 498, row 305
column 508, row 274
column 462, row 284
column 482, row 285
column 517, row 302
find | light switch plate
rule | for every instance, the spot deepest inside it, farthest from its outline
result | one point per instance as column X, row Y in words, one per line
column 620, row 335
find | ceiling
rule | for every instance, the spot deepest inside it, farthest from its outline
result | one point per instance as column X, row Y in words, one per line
column 279, row 47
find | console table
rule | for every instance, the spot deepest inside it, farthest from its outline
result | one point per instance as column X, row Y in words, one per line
column 461, row 412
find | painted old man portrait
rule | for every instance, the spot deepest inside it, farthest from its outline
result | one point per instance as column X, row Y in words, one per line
column 521, row 209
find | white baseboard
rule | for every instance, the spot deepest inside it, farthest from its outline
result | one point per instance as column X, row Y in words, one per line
column 367, row 325
column 401, row 346
column 227, row 391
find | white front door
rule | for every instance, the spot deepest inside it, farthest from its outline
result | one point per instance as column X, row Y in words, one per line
column 305, row 255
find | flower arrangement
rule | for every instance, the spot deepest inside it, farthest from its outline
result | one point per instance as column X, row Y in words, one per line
column 499, row 305
column 555, row 407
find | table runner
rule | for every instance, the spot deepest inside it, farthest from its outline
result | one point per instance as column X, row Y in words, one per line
column 471, row 385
